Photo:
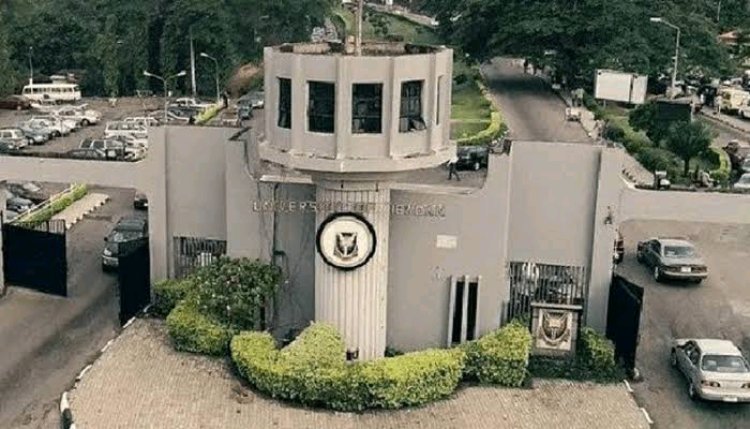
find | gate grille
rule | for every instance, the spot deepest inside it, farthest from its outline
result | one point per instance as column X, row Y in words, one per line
column 544, row 283
column 192, row 253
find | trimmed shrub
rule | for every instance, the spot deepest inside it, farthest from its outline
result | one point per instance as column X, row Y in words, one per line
column 500, row 357
column 235, row 292
column 167, row 293
column 486, row 136
column 313, row 371
column 597, row 354
column 613, row 132
column 193, row 332
column 413, row 378
column 653, row 159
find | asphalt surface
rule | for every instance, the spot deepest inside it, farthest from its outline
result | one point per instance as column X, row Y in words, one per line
column 47, row 340
column 528, row 104
column 717, row 308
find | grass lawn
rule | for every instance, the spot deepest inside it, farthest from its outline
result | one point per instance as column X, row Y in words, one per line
column 467, row 129
column 469, row 104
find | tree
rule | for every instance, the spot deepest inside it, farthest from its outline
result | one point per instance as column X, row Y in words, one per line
column 7, row 72
column 645, row 118
column 688, row 141
column 107, row 48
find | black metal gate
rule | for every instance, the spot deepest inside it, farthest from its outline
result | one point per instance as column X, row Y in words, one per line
column 134, row 274
column 34, row 256
column 624, row 319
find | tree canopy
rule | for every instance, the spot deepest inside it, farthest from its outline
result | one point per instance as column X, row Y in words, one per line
column 110, row 42
column 579, row 36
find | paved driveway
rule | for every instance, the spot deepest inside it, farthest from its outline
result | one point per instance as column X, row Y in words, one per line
column 719, row 308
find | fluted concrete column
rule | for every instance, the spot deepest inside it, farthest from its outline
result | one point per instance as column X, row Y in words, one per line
column 355, row 300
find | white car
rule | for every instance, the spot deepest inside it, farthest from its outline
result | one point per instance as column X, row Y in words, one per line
column 146, row 121
column 743, row 184
column 120, row 128
column 81, row 116
column 715, row 369
column 56, row 125
column 191, row 102
column 67, row 125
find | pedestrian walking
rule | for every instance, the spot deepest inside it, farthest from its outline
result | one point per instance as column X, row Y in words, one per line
column 225, row 97
column 525, row 66
column 452, row 171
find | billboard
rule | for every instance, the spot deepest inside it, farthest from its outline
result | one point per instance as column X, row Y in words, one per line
column 619, row 86
column 674, row 110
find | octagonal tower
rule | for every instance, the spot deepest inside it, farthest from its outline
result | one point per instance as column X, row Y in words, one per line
column 354, row 122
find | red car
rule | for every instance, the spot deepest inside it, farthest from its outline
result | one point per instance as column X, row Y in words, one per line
column 15, row 102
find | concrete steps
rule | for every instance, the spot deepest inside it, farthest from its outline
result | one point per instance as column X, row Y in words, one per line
column 76, row 211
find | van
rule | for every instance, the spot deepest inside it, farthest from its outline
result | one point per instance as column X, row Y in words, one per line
column 731, row 100
column 120, row 128
column 59, row 92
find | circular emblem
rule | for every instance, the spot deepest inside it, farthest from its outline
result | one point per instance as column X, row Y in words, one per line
column 346, row 241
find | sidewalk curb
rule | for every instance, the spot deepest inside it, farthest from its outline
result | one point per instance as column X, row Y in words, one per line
column 66, row 413
column 631, row 392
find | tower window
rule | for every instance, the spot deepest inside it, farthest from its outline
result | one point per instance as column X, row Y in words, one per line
column 321, row 107
column 411, row 107
column 285, row 103
column 367, row 108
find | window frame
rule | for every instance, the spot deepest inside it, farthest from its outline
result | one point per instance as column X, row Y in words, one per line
column 314, row 112
column 285, row 99
column 414, row 121
column 378, row 98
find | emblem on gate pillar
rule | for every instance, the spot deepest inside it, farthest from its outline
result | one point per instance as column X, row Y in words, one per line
column 554, row 328
column 346, row 241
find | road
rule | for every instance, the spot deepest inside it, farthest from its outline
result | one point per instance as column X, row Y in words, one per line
column 47, row 340
column 530, row 107
column 717, row 308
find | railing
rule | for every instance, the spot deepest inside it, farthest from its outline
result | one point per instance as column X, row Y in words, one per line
column 43, row 212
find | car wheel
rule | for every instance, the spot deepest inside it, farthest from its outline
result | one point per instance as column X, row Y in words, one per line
column 673, row 358
column 476, row 166
column 639, row 257
column 85, row 123
column 57, row 134
column 692, row 394
column 657, row 274
column 698, row 281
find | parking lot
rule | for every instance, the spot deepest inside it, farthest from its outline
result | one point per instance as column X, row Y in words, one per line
column 717, row 308
column 124, row 108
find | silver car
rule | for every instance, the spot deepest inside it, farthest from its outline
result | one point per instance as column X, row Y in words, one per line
column 715, row 369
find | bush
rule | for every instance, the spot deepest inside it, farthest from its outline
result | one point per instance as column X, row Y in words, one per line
column 167, row 293
column 235, row 292
column 500, row 357
column 594, row 361
column 614, row 132
column 486, row 136
column 413, row 378
column 653, row 159
column 193, row 332
column 313, row 371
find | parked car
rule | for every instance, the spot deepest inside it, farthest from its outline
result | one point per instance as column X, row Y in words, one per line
column 127, row 231
column 71, row 124
column 28, row 190
column 140, row 202
column 743, row 184
column 191, row 103
column 248, row 102
column 745, row 166
column 7, row 147
column 40, row 127
column 81, row 117
column 145, row 121
column 92, row 154
column 672, row 258
column 9, row 215
column 15, row 136
column 181, row 114
column 715, row 369
column 16, row 203
column 57, row 125
column 15, row 102
column 619, row 248
column 123, row 128
column 90, row 116
column 36, row 135
column 472, row 157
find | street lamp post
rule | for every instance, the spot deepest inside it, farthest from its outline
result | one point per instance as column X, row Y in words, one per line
column 216, row 73
column 676, row 50
column 31, row 66
column 164, row 82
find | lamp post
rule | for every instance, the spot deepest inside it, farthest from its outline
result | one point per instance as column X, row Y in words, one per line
column 676, row 50
column 216, row 73
column 164, row 82
column 31, row 66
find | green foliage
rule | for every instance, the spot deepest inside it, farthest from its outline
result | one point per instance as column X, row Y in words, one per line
column 55, row 205
column 688, row 141
column 7, row 72
column 645, row 118
column 313, row 371
column 594, row 361
column 194, row 332
column 235, row 292
column 168, row 293
column 653, row 159
column 500, row 357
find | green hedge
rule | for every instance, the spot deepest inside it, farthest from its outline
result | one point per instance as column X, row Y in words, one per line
column 167, row 293
column 653, row 159
column 313, row 371
column 594, row 361
column 500, row 357
column 721, row 174
column 196, row 333
column 495, row 129
column 55, row 206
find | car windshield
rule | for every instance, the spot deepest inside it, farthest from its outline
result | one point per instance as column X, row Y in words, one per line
column 123, row 236
column 745, row 177
column 679, row 252
column 724, row 363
